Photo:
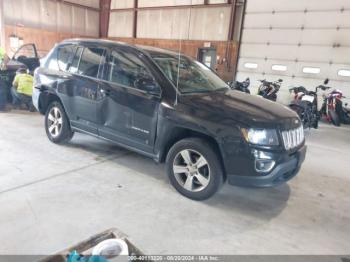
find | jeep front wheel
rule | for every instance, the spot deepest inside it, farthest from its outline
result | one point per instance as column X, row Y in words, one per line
column 194, row 169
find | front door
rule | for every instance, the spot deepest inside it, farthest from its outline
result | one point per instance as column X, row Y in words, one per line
column 128, row 114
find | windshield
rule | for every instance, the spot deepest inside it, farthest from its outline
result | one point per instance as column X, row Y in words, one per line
column 189, row 75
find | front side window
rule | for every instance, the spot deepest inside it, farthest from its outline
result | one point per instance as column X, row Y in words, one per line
column 90, row 61
column 125, row 69
column 188, row 75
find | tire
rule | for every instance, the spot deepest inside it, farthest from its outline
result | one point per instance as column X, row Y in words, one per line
column 57, row 125
column 203, row 181
column 334, row 117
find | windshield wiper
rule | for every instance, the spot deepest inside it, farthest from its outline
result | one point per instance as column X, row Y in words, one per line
column 206, row 90
column 197, row 91
column 220, row 89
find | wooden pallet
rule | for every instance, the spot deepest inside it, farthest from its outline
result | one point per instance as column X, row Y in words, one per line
column 87, row 245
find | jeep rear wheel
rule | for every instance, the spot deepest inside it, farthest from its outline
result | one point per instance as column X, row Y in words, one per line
column 194, row 169
column 57, row 124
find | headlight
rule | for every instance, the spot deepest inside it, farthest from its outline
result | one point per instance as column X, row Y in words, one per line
column 262, row 137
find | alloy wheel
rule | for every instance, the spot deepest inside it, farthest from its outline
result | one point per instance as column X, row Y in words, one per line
column 191, row 170
column 55, row 122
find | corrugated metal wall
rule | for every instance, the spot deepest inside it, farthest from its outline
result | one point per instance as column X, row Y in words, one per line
column 288, row 38
column 185, row 23
column 54, row 15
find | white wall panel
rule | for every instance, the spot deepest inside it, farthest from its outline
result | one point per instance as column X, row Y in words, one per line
column 184, row 23
column 65, row 14
column 91, row 20
column 121, row 24
column 49, row 10
column 78, row 21
column 50, row 15
column 210, row 23
column 31, row 16
column 117, row 4
column 193, row 24
column 163, row 24
column 296, row 34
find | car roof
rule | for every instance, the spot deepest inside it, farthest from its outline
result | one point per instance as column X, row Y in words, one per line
column 109, row 43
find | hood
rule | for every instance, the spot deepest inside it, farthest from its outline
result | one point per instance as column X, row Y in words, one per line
column 250, row 110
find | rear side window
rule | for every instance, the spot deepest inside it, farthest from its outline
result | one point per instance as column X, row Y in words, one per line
column 64, row 56
column 90, row 61
column 51, row 62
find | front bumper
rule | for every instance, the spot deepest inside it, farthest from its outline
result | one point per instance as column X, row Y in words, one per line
column 282, row 173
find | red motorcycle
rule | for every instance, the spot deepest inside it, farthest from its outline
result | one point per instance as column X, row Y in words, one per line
column 333, row 109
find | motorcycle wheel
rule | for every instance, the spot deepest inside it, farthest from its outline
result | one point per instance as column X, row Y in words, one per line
column 333, row 116
column 346, row 119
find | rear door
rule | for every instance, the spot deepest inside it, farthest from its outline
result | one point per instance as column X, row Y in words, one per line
column 128, row 114
column 79, row 83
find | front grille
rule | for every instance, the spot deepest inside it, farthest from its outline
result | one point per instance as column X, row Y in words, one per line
column 293, row 138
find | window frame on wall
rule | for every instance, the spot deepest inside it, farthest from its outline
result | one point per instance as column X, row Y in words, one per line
column 279, row 68
column 251, row 65
column 343, row 72
column 309, row 70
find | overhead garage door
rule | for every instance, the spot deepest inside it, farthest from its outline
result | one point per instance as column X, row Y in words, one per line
column 302, row 42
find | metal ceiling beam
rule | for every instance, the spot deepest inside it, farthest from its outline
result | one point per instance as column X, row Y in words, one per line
column 232, row 20
column 172, row 7
column 105, row 6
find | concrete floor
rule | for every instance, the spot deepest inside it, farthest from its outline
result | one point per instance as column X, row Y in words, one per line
column 54, row 196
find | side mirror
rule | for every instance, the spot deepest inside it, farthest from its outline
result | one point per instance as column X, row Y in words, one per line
column 280, row 80
column 147, row 84
column 326, row 81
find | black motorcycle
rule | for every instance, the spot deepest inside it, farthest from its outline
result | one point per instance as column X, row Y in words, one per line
column 269, row 90
column 241, row 86
column 305, row 104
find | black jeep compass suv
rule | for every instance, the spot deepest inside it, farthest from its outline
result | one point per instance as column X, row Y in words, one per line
column 171, row 108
